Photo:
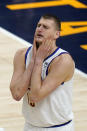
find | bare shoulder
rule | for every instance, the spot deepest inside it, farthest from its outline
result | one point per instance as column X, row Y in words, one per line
column 19, row 58
column 20, row 52
column 68, row 61
column 63, row 64
column 64, row 59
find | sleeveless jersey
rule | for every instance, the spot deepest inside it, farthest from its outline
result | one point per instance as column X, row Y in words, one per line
column 56, row 108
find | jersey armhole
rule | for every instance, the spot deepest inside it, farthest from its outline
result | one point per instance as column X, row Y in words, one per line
column 27, row 53
column 52, row 60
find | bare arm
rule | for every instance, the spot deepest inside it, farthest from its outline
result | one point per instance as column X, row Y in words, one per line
column 21, row 76
column 61, row 70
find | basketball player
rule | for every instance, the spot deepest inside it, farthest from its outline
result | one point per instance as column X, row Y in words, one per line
column 43, row 76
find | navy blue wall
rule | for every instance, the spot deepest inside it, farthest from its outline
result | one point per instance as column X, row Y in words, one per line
column 22, row 22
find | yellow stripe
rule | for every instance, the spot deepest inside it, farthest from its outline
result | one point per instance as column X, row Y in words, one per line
column 74, row 3
column 84, row 47
column 67, row 28
column 34, row 5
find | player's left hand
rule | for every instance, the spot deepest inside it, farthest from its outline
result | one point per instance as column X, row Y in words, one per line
column 45, row 49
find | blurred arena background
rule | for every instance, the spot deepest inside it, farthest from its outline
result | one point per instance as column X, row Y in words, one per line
column 18, row 19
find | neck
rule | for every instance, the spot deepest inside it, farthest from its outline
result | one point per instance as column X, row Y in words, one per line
column 38, row 45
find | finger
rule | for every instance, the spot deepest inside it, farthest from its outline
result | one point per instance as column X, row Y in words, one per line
column 34, row 48
column 34, row 44
column 34, row 41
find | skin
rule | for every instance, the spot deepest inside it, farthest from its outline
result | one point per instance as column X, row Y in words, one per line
column 60, row 70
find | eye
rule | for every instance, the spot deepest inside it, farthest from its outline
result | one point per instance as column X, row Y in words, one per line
column 38, row 25
column 46, row 27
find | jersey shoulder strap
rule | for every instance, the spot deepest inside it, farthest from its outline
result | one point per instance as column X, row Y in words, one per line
column 26, row 54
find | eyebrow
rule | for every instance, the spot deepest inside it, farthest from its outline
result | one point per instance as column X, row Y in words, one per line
column 42, row 24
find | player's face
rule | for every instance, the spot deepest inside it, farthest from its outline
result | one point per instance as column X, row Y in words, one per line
column 46, row 29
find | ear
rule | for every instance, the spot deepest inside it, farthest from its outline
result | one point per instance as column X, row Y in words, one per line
column 57, row 34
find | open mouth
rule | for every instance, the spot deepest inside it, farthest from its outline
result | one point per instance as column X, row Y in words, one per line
column 39, row 35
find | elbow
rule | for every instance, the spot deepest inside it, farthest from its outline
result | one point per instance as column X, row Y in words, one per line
column 36, row 95
column 16, row 96
column 35, row 98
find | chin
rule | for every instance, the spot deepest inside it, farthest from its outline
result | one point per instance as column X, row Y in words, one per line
column 39, row 40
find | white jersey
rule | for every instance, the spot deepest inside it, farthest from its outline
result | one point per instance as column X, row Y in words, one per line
column 56, row 108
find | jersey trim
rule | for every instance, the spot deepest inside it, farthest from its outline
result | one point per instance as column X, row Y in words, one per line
column 53, row 59
column 27, row 53
column 59, row 125
column 63, row 53
column 52, row 53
